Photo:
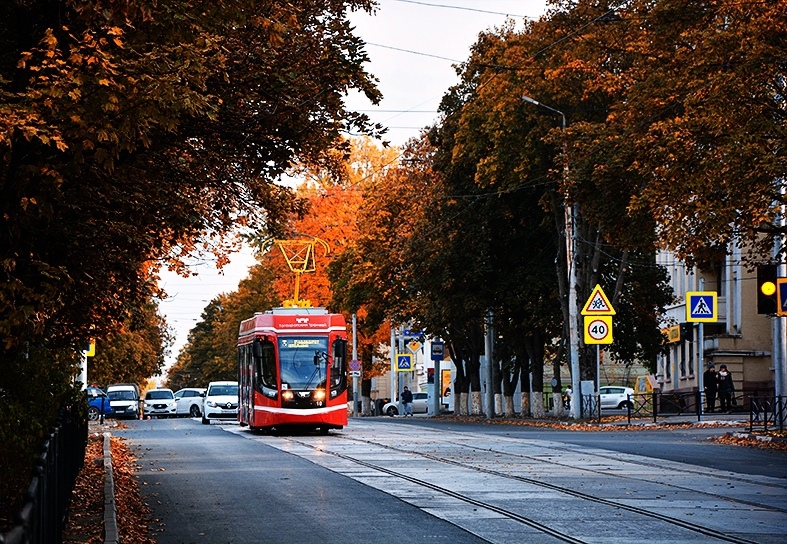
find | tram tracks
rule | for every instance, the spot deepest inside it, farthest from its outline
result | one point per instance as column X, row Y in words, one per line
column 560, row 535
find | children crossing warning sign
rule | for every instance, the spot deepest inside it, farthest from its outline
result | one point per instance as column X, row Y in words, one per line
column 701, row 306
column 598, row 303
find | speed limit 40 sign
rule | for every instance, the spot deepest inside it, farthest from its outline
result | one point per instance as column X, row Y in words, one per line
column 598, row 329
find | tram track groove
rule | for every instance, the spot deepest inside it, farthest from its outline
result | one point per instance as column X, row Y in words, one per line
column 653, row 465
column 693, row 527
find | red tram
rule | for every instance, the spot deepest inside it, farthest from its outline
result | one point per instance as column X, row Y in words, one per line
column 292, row 369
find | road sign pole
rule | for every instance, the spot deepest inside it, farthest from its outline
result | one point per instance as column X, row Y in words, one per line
column 355, row 358
column 598, row 379
column 393, row 362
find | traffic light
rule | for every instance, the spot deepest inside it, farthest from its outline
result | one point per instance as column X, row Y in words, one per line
column 766, row 288
column 687, row 331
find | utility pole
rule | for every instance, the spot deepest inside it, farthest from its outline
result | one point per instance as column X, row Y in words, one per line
column 356, row 395
column 489, row 397
column 570, row 212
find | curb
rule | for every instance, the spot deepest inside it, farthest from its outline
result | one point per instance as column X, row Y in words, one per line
column 110, row 509
column 761, row 438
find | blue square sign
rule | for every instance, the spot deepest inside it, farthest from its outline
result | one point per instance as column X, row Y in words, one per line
column 404, row 362
column 701, row 306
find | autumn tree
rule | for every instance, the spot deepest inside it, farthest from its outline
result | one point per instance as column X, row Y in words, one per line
column 133, row 132
column 211, row 350
column 334, row 201
column 134, row 353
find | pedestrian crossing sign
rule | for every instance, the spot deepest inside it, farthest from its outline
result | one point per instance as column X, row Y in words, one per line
column 701, row 306
column 404, row 362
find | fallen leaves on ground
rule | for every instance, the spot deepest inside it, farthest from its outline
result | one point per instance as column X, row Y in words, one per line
column 609, row 423
column 765, row 442
column 133, row 515
column 85, row 523
column 86, row 514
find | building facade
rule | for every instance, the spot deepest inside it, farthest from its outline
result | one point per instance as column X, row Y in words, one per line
column 742, row 339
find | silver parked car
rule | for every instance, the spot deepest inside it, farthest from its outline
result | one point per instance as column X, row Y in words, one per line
column 616, row 396
column 420, row 405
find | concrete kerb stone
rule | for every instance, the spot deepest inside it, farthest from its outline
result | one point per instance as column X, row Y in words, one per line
column 110, row 509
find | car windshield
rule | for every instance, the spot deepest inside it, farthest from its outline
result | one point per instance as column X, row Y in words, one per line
column 121, row 395
column 159, row 395
column 223, row 391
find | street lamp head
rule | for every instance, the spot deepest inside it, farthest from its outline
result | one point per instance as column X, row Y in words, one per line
column 530, row 100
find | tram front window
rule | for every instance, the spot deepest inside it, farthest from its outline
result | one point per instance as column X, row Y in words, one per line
column 302, row 366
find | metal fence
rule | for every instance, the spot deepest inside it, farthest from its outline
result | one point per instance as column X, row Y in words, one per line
column 42, row 517
column 768, row 413
column 764, row 411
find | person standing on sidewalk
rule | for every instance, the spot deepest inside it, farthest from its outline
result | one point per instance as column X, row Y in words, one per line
column 710, row 384
column 726, row 389
column 407, row 402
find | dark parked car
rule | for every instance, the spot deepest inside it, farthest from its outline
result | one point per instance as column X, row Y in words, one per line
column 97, row 404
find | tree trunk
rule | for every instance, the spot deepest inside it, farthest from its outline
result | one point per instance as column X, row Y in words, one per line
column 477, row 405
column 557, row 399
column 537, row 405
column 462, row 399
column 509, row 406
column 498, row 403
column 527, row 404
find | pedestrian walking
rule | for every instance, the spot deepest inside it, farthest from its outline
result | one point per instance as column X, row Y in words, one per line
column 726, row 389
column 710, row 386
column 407, row 402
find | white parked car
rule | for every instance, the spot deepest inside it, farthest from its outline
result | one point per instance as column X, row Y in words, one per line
column 159, row 403
column 420, row 405
column 189, row 400
column 220, row 401
column 616, row 396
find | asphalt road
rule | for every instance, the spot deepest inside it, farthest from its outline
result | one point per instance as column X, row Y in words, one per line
column 206, row 485
column 393, row 480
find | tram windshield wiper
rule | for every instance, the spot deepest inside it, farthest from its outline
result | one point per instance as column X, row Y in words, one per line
column 320, row 357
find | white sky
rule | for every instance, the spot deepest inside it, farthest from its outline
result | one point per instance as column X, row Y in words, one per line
column 413, row 46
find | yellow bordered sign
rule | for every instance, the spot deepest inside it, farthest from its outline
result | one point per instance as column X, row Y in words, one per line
column 404, row 362
column 598, row 329
column 672, row 334
column 598, row 303
column 702, row 306
column 781, row 296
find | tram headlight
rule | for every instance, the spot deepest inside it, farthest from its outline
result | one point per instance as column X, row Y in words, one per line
column 286, row 395
column 319, row 394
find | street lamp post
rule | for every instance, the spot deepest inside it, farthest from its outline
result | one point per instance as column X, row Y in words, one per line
column 570, row 225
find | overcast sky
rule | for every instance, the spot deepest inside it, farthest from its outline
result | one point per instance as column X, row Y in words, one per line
column 413, row 46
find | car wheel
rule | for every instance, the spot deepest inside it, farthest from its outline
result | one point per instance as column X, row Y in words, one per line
column 92, row 413
column 625, row 405
column 194, row 411
column 392, row 411
column 205, row 421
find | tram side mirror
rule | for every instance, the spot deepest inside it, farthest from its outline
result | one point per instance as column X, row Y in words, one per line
column 256, row 348
column 320, row 357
